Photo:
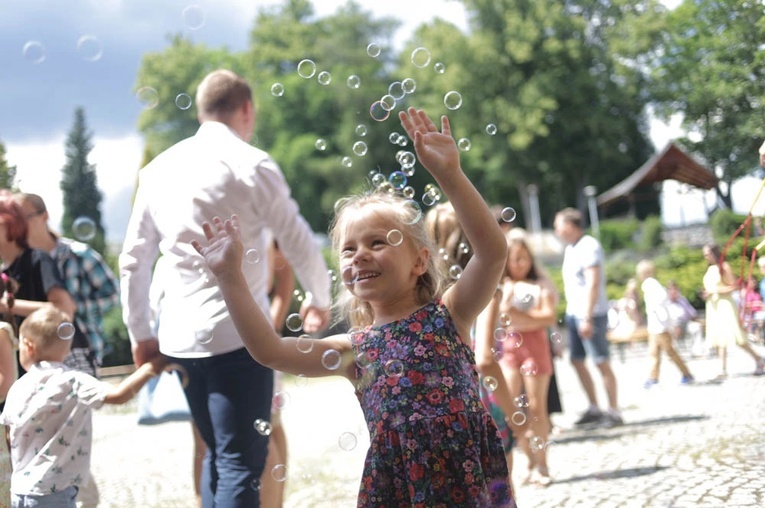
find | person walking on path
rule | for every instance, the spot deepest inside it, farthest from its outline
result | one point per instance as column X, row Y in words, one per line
column 584, row 284
column 658, row 323
column 723, row 327
column 216, row 172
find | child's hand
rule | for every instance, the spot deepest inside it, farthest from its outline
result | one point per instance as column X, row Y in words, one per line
column 157, row 364
column 223, row 251
column 437, row 151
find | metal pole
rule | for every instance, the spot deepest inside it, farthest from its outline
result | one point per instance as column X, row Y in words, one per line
column 536, row 220
column 590, row 192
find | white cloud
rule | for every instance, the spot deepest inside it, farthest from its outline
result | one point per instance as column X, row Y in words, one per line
column 117, row 162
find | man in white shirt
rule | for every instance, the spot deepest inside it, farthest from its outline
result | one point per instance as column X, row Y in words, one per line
column 216, row 173
column 584, row 283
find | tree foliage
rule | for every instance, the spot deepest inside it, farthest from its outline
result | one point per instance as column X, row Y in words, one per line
column 567, row 114
column 7, row 172
column 707, row 63
column 568, row 111
column 81, row 196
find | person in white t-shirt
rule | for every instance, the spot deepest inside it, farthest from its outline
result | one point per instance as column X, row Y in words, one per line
column 584, row 284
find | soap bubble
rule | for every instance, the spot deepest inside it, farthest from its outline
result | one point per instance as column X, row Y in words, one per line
column 262, row 427
column 452, row 100
column 89, row 48
column 306, row 68
column 65, row 331
column 183, row 101
column 148, row 97
column 373, row 49
column 34, row 52
column 420, row 57
column 84, row 228
column 353, row 81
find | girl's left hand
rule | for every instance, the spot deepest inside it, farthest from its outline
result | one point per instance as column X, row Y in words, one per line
column 223, row 250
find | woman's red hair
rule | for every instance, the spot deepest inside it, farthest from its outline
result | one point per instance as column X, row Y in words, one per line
column 12, row 216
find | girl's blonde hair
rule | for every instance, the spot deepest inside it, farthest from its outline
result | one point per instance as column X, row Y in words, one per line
column 406, row 216
column 444, row 229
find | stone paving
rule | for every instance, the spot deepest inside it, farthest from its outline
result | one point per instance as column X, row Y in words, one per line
column 681, row 446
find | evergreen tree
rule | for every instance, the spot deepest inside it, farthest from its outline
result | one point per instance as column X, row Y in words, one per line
column 7, row 172
column 81, row 196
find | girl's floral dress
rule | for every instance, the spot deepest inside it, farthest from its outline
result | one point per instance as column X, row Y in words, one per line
column 433, row 444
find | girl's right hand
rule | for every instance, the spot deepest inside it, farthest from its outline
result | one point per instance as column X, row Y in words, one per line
column 223, row 250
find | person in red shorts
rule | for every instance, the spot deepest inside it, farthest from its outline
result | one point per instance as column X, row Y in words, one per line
column 526, row 310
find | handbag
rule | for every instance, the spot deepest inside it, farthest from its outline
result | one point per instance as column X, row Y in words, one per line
column 162, row 399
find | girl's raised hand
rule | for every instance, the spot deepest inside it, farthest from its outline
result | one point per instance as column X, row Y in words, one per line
column 437, row 151
column 223, row 250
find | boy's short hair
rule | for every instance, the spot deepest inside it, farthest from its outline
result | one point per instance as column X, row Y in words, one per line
column 43, row 327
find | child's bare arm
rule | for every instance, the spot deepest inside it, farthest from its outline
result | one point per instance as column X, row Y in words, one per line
column 304, row 355
column 438, row 152
column 129, row 386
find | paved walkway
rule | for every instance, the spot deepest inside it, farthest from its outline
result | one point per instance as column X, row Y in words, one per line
column 681, row 446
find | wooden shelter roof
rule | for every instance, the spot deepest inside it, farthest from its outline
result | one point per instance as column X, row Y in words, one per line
column 671, row 163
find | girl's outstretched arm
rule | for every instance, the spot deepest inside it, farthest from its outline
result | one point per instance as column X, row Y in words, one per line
column 296, row 355
column 438, row 152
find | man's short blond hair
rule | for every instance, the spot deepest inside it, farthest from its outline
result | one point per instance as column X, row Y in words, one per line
column 221, row 93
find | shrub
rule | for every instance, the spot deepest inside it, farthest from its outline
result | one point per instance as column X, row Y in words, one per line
column 618, row 234
column 724, row 223
column 650, row 233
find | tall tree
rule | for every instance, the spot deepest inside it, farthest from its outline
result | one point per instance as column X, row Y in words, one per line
column 708, row 65
column 290, row 125
column 7, row 172
column 81, row 196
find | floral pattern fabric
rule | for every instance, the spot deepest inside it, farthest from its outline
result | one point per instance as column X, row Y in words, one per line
column 433, row 444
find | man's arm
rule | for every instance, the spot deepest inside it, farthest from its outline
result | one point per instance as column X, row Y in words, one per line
column 139, row 251
column 296, row 241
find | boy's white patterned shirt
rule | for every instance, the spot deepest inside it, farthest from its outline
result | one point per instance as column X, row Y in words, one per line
column 49, row 412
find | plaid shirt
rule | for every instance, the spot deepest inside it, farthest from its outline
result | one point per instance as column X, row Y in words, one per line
column 92, row 285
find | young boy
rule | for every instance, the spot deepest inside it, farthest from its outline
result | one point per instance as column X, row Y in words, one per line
column 658, row 323
column 48, row 412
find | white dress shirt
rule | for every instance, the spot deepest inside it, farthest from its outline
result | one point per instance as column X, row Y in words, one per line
column 213, row 173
